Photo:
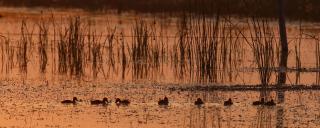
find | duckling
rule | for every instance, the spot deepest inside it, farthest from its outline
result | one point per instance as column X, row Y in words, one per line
column 228, row 102
column 125, row 102
column 199, row 102
column 97, row 102
column 70, row 101
column 270, row 103
column 261, row 102
column 164, row 101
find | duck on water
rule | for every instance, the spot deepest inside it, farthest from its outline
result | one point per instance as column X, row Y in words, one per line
column 198, row 102
column 73, row 101
column 261, row 102
column 164, row 101
column 124, row 102
column 228, row 102
column 270, row 103
column 104, row 101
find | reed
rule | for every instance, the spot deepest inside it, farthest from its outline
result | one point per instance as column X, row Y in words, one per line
column 43, row 43
column 140, row 48
column 24, row 44
column 111, row 38
column 62, row 53
column 205, row 49
column 262, row 44
column 317, row 55
column 95, row 47
column 75, row 46
column 297, row 51
column 123, row 57
column 7, row 55
column 96, row 58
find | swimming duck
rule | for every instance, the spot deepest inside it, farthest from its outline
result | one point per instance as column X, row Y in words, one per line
column 125, row 102
column 70, row 101
column 261, row 102
column 270, row 103
column 199, row 102
column 228, row 102
column 104, row 101
column 164, row 101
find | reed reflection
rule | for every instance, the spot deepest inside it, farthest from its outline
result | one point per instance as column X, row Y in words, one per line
column 280, row 109
column 203, row 117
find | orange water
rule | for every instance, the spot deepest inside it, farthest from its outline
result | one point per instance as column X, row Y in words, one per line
column 33, row 99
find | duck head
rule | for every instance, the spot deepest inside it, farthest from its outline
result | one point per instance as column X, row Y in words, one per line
column 118, row 100
column 105, row 99
column 165, row 98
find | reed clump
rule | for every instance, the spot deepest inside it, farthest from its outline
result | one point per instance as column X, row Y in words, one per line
column 140, row 48
column 7, row 55
column 207, row 48
column 71, row 48
column 95, row 49
column 263, row 46
column 25, row 44
column 43, row 43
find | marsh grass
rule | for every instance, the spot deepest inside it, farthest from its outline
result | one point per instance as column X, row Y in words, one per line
column 7, row 55
column 62, row 53
column 95, row 50
column 111, row 39
column 24, row 45
column 123, row 55
column 297, row 51
column 140, row 48
column 263, row 46
column 205, row 49
column 43, row 43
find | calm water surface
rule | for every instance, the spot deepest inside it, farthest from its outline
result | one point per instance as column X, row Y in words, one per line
column 39, row 106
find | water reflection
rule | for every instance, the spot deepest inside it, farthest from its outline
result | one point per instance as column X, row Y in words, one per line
column 263, row 117
column 280, row 117
column 270, row 116
column 203, row 117
column 280, row 110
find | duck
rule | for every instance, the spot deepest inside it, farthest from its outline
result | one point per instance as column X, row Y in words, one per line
column 104, row 101
column 228, row 102
column 261, row 102
column 125, row 102
column 164, row 101
column 73, row 101
column 270, row 103
column 199, row 102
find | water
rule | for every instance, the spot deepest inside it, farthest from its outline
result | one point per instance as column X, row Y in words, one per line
column 39, row 106
column 32, row 99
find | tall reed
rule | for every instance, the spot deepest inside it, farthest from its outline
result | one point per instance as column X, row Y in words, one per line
column 140, row 48
column 317, row 54
column 24, row 44
column 43, row 39
column 263, row 46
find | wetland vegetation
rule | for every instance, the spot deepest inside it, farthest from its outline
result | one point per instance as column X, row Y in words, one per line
column 211, row 51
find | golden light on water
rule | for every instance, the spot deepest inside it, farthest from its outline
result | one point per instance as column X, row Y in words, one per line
column 48, row 55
